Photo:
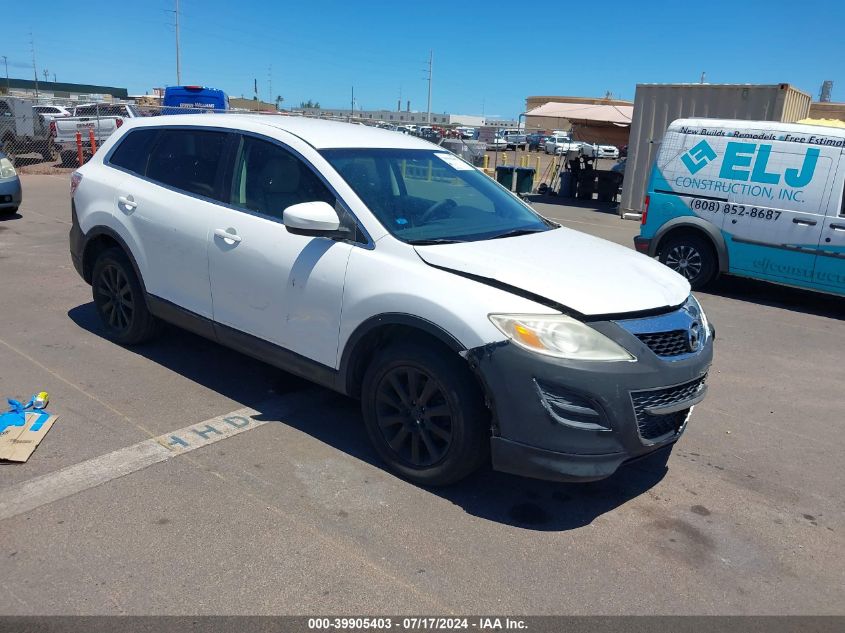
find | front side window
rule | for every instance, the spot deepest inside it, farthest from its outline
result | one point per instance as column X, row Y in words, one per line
column 187, row 159
column 268, row 179
column 430, row 196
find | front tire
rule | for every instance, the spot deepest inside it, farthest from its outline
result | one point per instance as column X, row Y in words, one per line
column 691, row 256
column 119, row 300
column 425, row 414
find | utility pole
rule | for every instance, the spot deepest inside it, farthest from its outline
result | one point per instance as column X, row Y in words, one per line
column 46, row 74
column 34, row 67
column 703, row 77
column 352, row 110
column 6, row 63
column 430, row 71
column 178, row 50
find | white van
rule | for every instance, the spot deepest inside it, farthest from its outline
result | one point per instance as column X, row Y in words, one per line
column 390, row 270
column 754, row 198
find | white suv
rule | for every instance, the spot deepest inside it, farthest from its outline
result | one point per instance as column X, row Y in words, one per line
column 385, row 268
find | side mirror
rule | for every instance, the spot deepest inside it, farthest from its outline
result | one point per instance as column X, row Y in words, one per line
column 316, row 219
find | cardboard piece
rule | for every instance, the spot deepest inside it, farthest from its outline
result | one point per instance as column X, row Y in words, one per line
column 17, row 443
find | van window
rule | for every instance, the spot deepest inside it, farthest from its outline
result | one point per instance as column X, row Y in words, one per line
column 134, row 150
column 268, row 179
column 187, row 160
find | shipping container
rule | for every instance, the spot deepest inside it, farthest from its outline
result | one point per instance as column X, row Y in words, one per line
column 657, row 105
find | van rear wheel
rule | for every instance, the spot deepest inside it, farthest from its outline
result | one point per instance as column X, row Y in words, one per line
column 425, row 414
column 691, row 256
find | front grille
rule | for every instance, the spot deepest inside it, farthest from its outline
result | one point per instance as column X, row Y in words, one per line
column 672, row 343
column 654, row 426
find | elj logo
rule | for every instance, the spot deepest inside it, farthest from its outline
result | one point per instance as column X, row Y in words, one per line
column 697, row 158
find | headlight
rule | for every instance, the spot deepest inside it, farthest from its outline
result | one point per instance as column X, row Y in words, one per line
column 7, row 170
column 559, row 336
column 693, row 307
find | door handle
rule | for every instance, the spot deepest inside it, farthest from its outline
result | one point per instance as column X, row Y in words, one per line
column 228, row 235
column 837, row 227
column 803, row 222
column 128, row 202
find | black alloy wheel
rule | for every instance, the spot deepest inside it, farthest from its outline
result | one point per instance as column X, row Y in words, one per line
column 114, row 298
column 414, row 416
column 424, row 412
column 119, row 299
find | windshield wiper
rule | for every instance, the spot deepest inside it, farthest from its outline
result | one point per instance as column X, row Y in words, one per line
column 516, row 232
column 433, row 241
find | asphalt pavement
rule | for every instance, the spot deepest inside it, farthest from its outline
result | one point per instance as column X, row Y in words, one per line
column 285, row 509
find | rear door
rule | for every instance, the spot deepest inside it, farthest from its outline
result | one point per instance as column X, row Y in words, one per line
column 167, row 209
column 279, row 287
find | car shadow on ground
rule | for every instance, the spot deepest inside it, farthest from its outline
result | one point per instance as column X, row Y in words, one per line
column 10, row 216
column 611, row 208
column 777, row 296
column 336, row 421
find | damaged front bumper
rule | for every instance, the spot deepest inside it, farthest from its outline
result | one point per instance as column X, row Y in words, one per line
column 568, row 420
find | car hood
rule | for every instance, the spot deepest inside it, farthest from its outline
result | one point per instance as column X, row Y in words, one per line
column 585, row 274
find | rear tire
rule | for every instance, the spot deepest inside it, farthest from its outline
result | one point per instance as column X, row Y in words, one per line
column 425, row 414
column 691, row 256
column 119, row 300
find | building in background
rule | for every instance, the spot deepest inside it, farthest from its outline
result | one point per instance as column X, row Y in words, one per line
column 403, row 117
column 63, row 92
column 657, row 105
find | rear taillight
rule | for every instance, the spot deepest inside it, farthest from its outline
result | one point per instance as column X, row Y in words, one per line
column 75, row 179
column 53, row 129
column 645, row 210
column 119, row 121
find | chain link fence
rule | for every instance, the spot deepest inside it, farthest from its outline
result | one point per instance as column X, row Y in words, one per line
column 50, row 135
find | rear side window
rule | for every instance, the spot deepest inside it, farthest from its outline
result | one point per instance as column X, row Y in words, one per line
column 133, row 151
column 188, row 160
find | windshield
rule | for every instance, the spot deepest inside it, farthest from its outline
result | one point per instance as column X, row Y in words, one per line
column 424, row 196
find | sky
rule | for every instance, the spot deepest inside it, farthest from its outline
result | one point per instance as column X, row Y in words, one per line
column 488, row 56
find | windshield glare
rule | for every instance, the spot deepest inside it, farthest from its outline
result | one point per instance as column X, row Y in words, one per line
column 432, row 196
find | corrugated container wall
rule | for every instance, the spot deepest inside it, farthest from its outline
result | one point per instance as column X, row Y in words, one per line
column 657, row 105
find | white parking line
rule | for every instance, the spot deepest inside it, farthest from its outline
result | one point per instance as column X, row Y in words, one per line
column 71, row 480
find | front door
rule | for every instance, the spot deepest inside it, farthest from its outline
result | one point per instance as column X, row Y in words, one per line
column 283, row 288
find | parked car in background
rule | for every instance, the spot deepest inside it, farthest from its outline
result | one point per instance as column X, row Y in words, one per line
column 536, row 141
column 497, row 143
column 193, row 99
column 50, row 112
column 11, row 195
column 22, row 130
column 466, row 132
column 430, row 134
column 607, row 151
column 499, row 334
column 587, row 149
column 561, row 145
column 103, row 118
column 515, row 139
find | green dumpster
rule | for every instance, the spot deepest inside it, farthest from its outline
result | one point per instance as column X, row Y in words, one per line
column 504, row 175
column 524, row 179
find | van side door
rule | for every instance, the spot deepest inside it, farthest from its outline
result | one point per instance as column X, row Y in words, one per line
column 775, row 227
column 830, row 264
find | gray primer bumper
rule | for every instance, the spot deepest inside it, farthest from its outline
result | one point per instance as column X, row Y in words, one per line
column 545, row 408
